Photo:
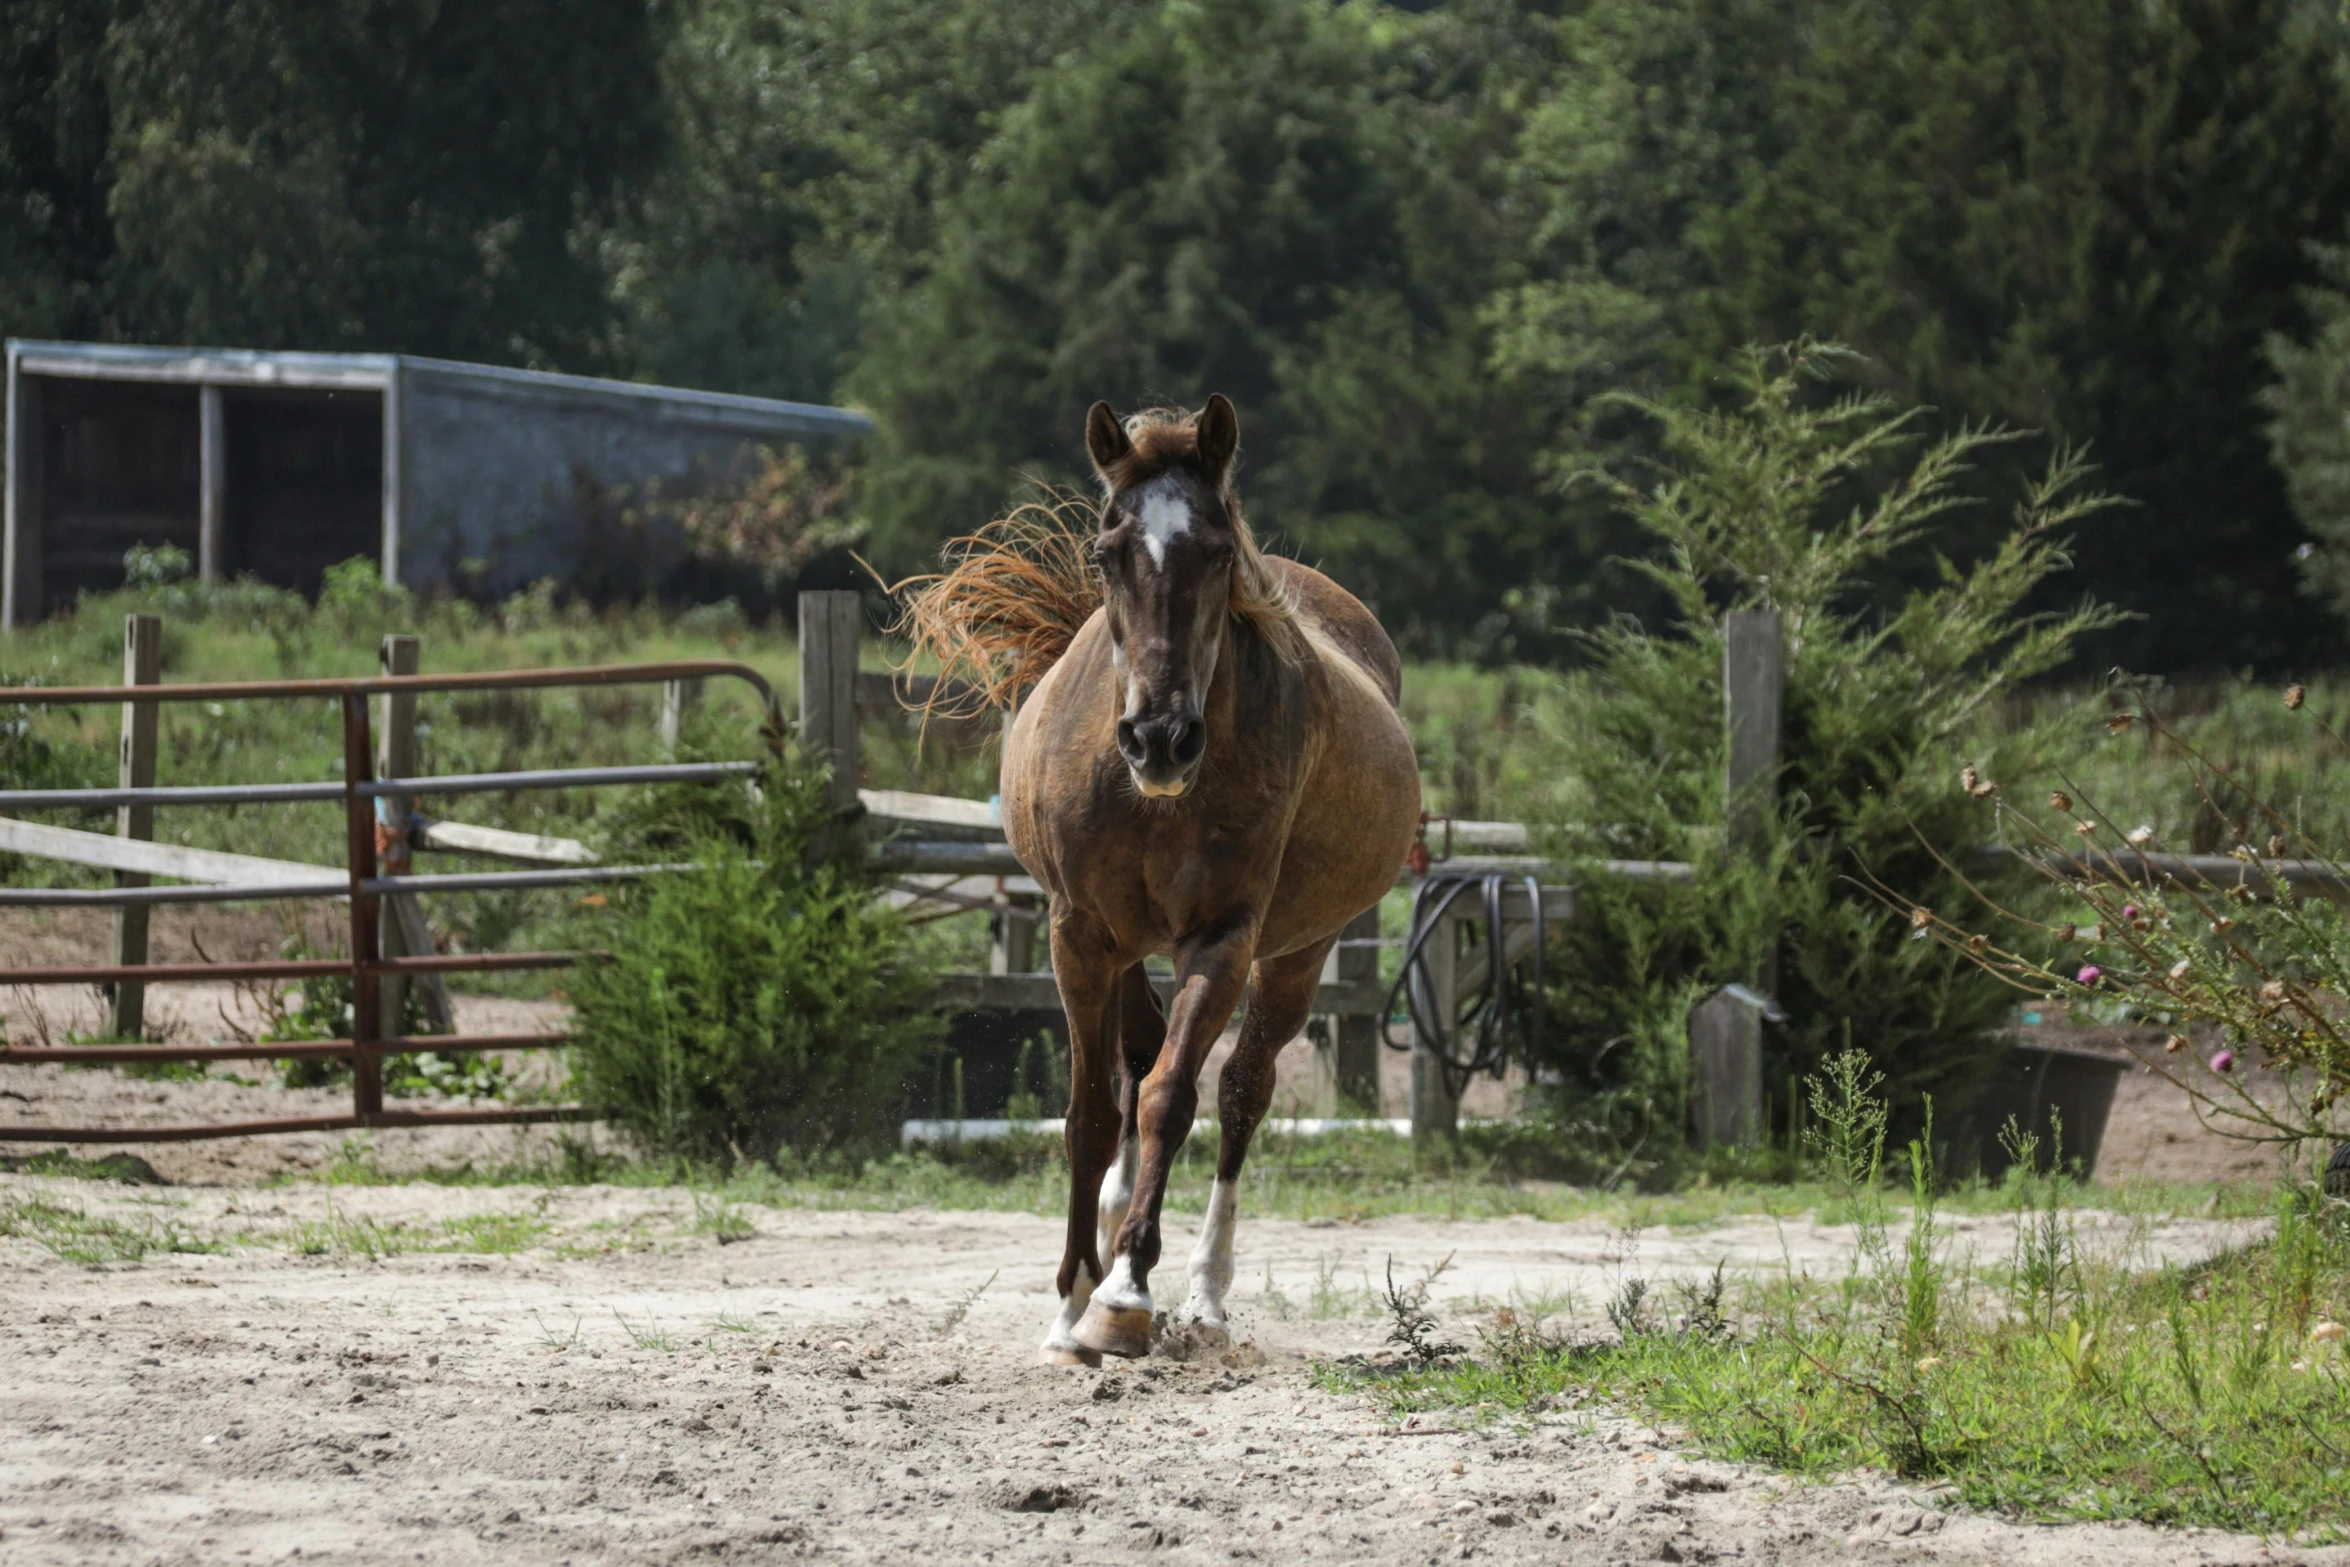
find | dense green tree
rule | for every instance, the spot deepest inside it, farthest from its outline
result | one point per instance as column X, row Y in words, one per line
column 2076, row 215
column 395, row 174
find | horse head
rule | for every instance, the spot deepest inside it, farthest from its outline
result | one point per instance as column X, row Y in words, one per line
column 1170, row 546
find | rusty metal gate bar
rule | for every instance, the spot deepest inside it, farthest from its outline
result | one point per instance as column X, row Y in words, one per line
column 362, row 886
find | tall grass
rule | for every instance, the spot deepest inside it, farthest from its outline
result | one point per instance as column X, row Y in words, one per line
column 2055, row 1385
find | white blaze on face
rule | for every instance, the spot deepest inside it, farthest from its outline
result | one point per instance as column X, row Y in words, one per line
column 1165, row 513
column 1211, row 1258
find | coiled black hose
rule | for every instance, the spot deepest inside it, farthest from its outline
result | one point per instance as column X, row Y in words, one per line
column 1490, row 1028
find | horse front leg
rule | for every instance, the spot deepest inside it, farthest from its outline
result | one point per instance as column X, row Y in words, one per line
column 1142, row 1031
column 1087, row 978
column 1209, row 976
column 1278, row 1005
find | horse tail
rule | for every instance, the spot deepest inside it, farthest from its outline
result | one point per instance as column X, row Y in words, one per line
column 1008, row 605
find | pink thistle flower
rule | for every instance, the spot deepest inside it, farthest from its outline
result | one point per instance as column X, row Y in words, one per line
column 2090, row 974
column 2225, row 1061
column 2129, row 911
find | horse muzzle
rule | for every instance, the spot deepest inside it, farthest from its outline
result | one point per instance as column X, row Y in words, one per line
column 1163, row 754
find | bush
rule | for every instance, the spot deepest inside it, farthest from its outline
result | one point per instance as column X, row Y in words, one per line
column 763, row 1000
column 2262, row 973
column 1791, row 501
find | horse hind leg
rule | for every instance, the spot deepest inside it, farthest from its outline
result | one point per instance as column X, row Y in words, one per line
column 1279, row 1003
column 1142, row 1029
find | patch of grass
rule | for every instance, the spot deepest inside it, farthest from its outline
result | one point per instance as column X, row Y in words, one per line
column 653, row 1338
column 77, row 1235
column 2049, row 1384
column 126, row 1169
column 340, row 1234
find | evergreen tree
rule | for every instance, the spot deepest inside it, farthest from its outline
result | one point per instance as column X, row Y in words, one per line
column 2080, row 216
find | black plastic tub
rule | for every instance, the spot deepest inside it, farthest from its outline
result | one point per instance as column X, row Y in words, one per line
column 2038, row 1087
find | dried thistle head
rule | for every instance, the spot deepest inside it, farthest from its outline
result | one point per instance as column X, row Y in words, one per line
column 2295, row 695
column 2067, row 931
column 1978, row 943
column 2276, row 845
column 2222, row 925
column 2118, row 723
column 2058, row 800
column 1969, row 779
column 2173, row 1045
column 1920, row 917
column 2085, row 829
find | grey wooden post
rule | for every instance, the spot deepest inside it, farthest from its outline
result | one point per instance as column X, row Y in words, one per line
column 403, row 932
column 1436, row 1111
column 1725, row 1031
column 142, row 665
column 1356, row 1039
column 1754, row 677
column 27, row 519
column 678, row 700
column 1725, row 1059
column 1012, row 942
column 212, row 485
column 828, row 686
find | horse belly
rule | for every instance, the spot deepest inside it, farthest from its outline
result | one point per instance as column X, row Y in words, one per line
column 1354, row 824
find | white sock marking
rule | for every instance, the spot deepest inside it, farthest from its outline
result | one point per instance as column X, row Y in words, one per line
column 1165, row 514
column 1211, row 1257
column 1119, row 1292
column 1061, row 1333
column 1118, row 1193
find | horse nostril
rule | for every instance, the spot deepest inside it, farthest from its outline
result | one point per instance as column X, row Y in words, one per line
column 1130, row 744
column 1191, row 738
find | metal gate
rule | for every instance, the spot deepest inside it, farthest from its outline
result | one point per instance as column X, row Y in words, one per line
column 364, row 884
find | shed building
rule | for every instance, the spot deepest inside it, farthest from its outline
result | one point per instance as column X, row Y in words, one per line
column 282, row 464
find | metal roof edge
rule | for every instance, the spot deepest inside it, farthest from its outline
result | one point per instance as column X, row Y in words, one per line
column 729, row 407
column 298, row 367
column 228, row 366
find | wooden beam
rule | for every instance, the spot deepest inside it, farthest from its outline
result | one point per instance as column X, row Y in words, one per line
column 1041, row 992
column 141, row 858
column 523, row 848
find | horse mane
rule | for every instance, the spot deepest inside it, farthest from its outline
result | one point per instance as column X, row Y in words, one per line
column 1015, row 593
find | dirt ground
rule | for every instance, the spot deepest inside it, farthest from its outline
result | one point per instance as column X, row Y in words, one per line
column 853, row 1387
column 350, row 1379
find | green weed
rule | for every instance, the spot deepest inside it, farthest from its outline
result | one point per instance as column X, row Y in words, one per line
column 2212, row 1396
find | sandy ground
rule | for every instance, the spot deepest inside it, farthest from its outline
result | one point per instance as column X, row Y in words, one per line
column 848, row 1386
column 852, row 1387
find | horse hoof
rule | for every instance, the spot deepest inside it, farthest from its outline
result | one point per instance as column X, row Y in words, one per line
column 1124, row 1332
column 1057, row 1356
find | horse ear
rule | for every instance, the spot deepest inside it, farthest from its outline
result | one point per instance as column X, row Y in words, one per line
column 1219, row 436
column 1105, row 439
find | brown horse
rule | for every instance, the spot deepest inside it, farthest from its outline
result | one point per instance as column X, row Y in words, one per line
column 1214, row 770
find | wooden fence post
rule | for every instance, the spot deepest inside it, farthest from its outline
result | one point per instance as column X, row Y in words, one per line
column 1011, row 946
column 1725, row 1031
column 1356, row 1038
column 828, row 686
column 1725, row 1060
column 1754, row 677
column 678, row 700
column 403, row 932
column 142, row 665
column 1436, row 1110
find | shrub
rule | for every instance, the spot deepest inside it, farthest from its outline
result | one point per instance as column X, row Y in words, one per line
column 759, row 1002
column 2260, row 972
column 1792, row 501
